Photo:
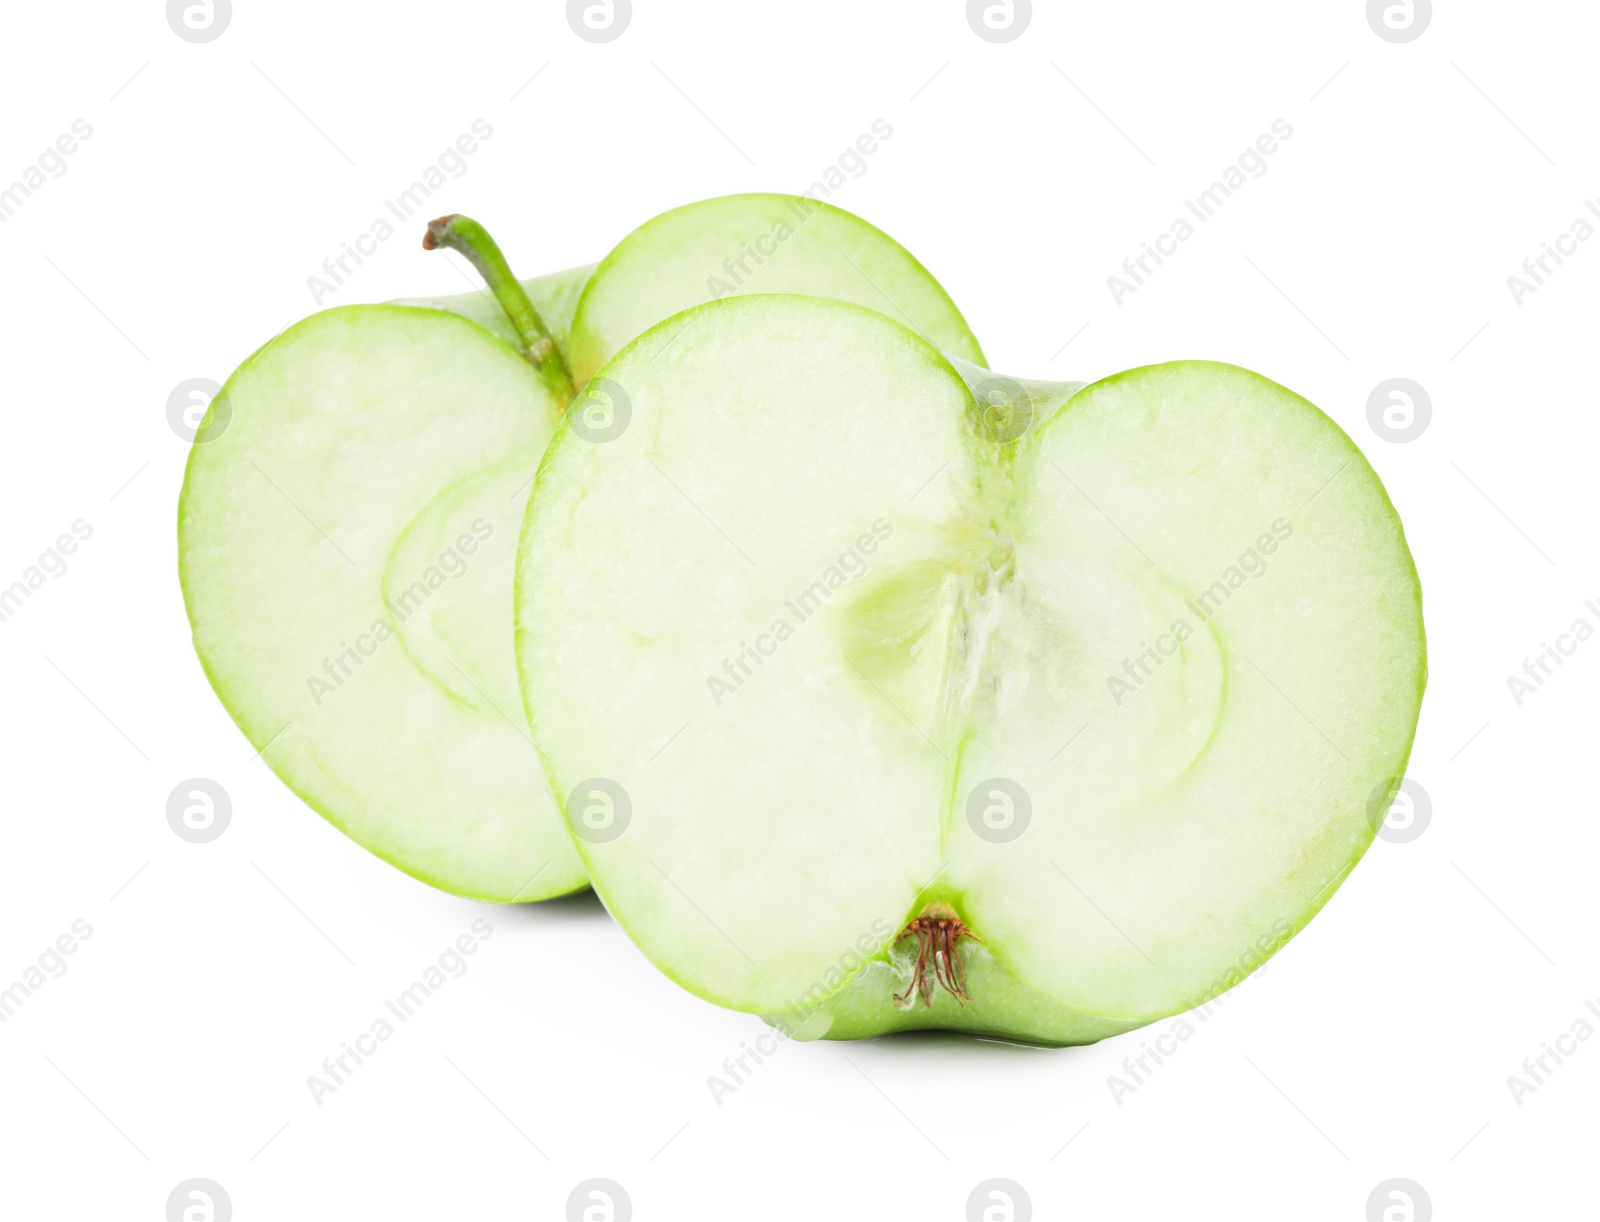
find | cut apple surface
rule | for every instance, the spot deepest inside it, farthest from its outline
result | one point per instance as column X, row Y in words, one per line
column 345, row 547
column 911, row 698
column 758, row 243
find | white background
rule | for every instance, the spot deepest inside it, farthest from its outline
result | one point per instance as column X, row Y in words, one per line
column 217, row 179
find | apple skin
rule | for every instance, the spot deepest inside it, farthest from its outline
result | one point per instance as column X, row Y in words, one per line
column 998, row 1005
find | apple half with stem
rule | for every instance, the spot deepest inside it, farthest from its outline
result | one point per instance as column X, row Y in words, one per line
column 347, row 538
column 883, row 692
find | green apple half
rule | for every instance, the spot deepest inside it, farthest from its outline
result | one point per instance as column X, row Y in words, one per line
column 347, row 538
column 882, row 697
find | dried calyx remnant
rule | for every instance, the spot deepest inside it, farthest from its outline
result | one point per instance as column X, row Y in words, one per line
column 938, row 965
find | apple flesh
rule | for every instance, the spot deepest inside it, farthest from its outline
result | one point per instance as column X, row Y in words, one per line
column 941, row 699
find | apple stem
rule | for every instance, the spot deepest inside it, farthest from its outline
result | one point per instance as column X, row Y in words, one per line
column 465, row 236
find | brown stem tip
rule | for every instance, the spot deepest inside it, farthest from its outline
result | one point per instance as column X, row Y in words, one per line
column 938, row 965
column 436, row 229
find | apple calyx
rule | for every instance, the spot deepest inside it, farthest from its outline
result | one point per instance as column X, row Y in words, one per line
column 937, row 929
column 467, row 237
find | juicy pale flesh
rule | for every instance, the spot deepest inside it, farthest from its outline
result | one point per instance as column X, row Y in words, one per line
column 758, row 243
column 814, row 603
column 347, row 548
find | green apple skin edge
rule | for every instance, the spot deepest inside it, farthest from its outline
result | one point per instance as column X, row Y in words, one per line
column 941, row 699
